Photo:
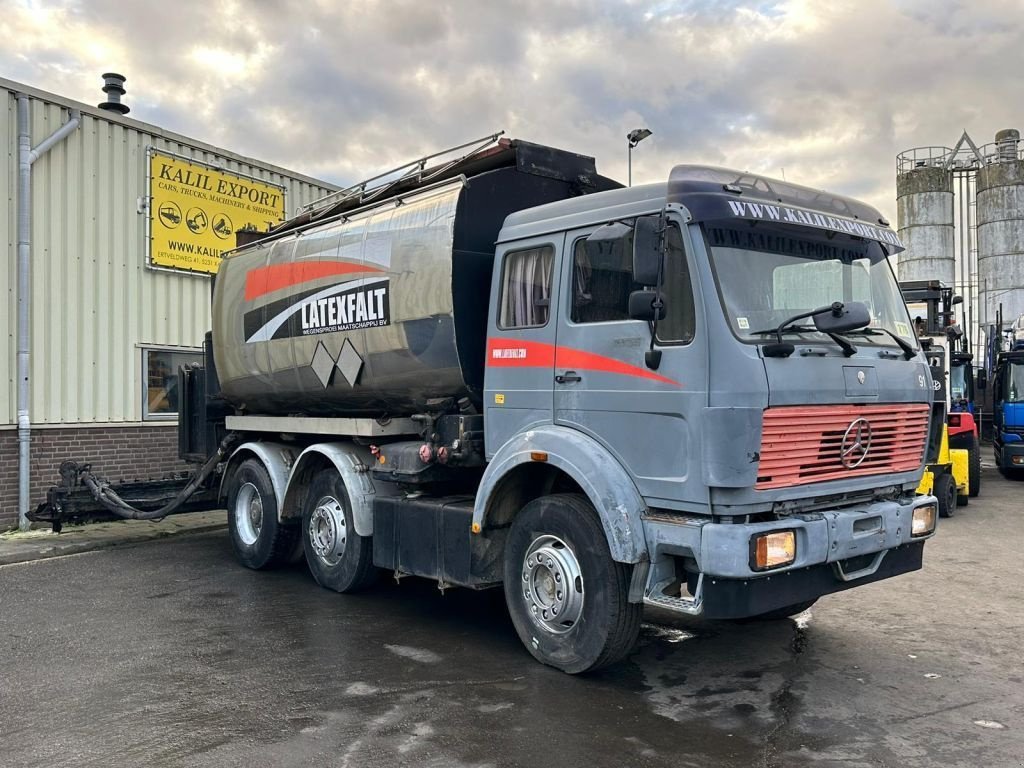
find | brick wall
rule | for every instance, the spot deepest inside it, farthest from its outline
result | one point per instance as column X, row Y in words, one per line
column 116, row 453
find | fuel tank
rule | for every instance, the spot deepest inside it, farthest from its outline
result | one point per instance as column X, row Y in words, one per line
column 380, row 309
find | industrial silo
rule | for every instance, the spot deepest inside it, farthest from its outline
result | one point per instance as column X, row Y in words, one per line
column 1000, row 184
column 924, row 209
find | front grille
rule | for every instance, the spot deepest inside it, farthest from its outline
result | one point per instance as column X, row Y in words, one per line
column 803, row 444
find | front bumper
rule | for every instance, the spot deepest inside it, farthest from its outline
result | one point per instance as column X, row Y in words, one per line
column 1006, row 453
column 835, row 550
column 738, row 598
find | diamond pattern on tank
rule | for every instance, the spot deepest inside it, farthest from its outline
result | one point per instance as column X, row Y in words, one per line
column 350, row 363
column 322, row 364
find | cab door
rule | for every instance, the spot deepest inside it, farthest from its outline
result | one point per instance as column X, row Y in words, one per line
column 648, row 418
column 520, row 355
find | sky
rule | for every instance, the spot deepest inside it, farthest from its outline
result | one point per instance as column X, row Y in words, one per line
column 824, row 92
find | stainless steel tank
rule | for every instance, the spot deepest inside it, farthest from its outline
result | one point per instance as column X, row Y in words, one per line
column 1000, row 197
column 381, row 309
column 924, row 209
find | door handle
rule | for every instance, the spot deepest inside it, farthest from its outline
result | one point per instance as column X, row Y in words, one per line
column 569, row 376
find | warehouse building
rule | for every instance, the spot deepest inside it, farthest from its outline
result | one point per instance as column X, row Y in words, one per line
column 116, row 240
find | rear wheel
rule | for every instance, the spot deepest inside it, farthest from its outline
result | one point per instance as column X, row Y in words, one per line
column 338, row 557
column 974, row 468
column 945, row 492
column 566, row 596
column 259, row 539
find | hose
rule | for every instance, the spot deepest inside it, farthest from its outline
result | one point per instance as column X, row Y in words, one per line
column 105, row 495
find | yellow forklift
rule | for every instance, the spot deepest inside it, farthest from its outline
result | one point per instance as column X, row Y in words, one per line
column 947, row 471
column 948, row 474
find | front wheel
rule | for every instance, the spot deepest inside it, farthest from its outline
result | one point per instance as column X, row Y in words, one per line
column 945, row 492
column 338, row 557
column 567, row 598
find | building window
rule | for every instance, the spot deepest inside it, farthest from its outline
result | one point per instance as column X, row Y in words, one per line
column 160, row 380
column 526, row 288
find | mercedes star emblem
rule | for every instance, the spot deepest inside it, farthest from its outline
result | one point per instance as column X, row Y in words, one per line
column 856, row 443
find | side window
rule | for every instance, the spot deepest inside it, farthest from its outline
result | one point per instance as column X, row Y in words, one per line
column 601, row 286
column 680, row 322
column 160, row 374
column 526, row 288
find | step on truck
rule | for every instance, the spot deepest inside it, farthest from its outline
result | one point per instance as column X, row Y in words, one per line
column 703, row 395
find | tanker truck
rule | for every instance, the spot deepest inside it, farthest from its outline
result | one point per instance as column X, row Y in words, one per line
column 703, row 394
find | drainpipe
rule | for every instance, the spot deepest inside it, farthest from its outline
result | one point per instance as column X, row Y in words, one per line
column 26, row 156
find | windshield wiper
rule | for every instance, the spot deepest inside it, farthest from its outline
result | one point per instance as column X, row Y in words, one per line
column 785, row 329
column 908, row 351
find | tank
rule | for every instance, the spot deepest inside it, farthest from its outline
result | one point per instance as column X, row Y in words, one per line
column 1000, row 197
column 924, row 210
column 381, row 309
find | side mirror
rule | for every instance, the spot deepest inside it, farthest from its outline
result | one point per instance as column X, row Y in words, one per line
column 642, row 306
column 842, row 317
column 647, row 250
column 956, row 300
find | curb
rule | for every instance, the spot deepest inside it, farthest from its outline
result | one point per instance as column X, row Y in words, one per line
column 43, row 545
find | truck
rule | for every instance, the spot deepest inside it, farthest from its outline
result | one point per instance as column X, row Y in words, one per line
column 508, row 371
column 1008, row 411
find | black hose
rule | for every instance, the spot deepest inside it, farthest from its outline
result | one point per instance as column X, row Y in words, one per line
column 105, row 495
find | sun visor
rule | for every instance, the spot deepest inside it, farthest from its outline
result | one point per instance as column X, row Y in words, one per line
column 711, row 193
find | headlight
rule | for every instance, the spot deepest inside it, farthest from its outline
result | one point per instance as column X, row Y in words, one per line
column 923, row 522
column 772, row 550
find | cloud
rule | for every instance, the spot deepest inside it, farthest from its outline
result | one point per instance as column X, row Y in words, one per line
column 829, row 92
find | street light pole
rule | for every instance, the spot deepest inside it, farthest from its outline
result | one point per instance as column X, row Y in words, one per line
column 633, row 138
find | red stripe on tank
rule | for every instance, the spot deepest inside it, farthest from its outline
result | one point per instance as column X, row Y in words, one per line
column 517, row 353
column 274, row 277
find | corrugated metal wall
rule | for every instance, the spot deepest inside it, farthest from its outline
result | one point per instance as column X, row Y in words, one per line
column 94, row 302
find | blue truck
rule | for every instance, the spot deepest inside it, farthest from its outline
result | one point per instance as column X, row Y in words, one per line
column 1008, row 412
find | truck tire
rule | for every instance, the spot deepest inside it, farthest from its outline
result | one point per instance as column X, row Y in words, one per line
column 974, row 468
column 338, row 557
column 945, row 492
column 567, row 598
column 259, row 539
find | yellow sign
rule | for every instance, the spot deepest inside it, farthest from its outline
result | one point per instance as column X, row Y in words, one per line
column 195, row 210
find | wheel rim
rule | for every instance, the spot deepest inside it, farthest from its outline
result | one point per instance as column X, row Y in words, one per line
column 328, row 530
column 552, row 585
column 248, row 513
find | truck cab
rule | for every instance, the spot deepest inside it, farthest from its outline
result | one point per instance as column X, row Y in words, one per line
column 764, row 429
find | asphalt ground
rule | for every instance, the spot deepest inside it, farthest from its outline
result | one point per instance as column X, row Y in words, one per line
column 167, row 653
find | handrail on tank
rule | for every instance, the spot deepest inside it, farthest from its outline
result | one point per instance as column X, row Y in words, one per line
column 414, row 168
column 996, row 152
column 922, row 157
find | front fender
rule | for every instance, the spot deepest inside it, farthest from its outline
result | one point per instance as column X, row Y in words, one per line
column 602, row 478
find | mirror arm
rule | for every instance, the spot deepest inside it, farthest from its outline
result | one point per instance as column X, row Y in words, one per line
column 652, row 358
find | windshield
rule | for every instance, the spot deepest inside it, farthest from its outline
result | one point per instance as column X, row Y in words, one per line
column 1014, row 392
column 958, row 382
column 767, row 274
